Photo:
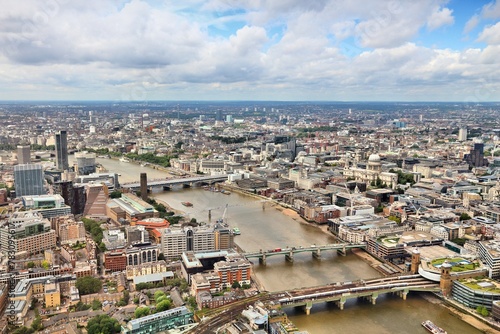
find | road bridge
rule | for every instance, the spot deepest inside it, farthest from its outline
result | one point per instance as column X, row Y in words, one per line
column 289, row 252
column 368, row 289
column 186, row 182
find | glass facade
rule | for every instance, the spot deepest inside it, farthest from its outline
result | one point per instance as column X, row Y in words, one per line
column 29, row 180
column 62, row 150
column 473, row 298
column 159, row 322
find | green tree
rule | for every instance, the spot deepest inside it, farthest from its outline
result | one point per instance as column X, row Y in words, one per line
column 236, row 285
column 464, row 216
column 96, row 305
column 36, row 325
column 80, row 306
column 141, row 312
column 142, row 286
column 45, row 264
column 103, row 324
column 87, row 285
column 191, row 301
column 395, row 219
column 30, row 264
column 459, row 241
column 126, row 296
column 163, row 305
column 161, row 256
column 161, row 207
column 24, row 330
column 159, row 294
column 34, row 301
column 115, row 194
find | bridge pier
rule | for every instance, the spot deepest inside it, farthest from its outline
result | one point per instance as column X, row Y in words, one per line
column 340, row 303
column 403, row 294
column 341, row 251
column 373, row 298
column 289, row 257
column 262, row 260
column 317, row 254
column 308, row 307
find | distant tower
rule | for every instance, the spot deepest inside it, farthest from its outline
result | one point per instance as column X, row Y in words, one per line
column 28, row 180
column 23, row 154
column 144, row 186
column 421, row 118
column 415, row 261
column 445, row 281
column 62, row 150
column 462, row 134
column 218, row 115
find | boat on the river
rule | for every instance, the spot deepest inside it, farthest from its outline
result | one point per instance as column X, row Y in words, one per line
column 433, row 328
column 187, row 204
column 123, row 159
column 225, row 192
column 236, row 231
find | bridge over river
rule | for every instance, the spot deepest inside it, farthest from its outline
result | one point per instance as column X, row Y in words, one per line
column 289, row 252
column 338, row 293
column 186, row 182
column 342, row 291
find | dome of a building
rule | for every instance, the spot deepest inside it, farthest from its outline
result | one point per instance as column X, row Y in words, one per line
column 374, row 158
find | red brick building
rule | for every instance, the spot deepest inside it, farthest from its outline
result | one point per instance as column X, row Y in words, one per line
column 115, row 260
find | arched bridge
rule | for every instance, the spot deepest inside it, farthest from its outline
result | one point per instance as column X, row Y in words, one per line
column 289, row 252
column 369, row 289
column 187, row 181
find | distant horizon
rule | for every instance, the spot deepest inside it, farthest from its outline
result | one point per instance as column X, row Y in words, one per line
column 218, row 50
column 258, row 101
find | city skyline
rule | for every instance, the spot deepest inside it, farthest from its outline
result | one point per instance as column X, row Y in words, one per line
column 136, row 50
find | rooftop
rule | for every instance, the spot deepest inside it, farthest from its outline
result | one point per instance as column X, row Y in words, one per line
column 458, row 264
column 483, row 284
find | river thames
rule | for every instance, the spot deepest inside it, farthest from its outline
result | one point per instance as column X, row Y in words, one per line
column 264, row 227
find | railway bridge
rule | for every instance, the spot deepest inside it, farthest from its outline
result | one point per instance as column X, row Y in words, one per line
column 342, row 291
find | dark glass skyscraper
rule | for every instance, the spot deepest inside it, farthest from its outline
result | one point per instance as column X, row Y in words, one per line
column 62, row 150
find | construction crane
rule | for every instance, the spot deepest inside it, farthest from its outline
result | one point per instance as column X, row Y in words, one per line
column 223, row 219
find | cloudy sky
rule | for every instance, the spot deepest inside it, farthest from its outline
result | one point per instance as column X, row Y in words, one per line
column 336, row 50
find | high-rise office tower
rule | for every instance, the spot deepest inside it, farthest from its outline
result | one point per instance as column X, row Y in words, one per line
column 85, row 163
column 144, row 186
column 23, row 154
column 28, row 180
column 62, row 150
column 476, row 156
column 462, row 134
column 218, row 115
